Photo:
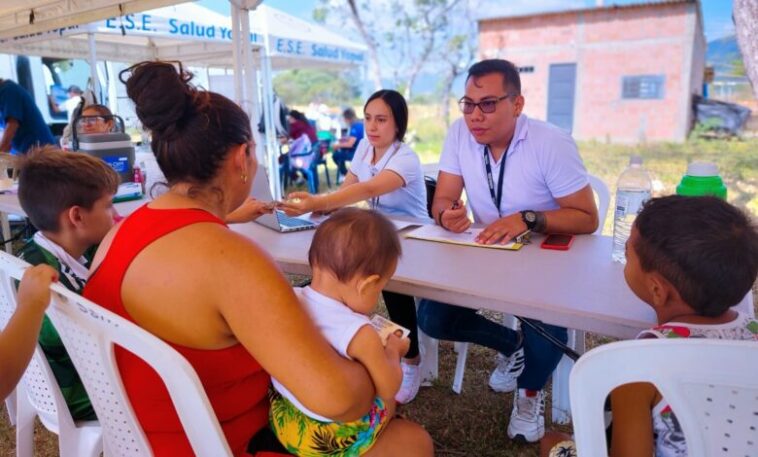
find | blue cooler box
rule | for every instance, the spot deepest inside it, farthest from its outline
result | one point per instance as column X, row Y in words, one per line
column 115, row 148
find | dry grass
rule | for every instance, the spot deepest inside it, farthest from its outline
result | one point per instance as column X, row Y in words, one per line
column 470, row 424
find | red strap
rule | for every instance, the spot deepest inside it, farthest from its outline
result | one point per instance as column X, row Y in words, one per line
column 137, row 232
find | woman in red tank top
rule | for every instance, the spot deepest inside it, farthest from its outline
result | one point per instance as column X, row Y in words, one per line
column 175, row 269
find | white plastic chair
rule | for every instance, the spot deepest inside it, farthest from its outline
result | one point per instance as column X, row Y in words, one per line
column 10, row 407
column 429, row 350
column 560, row 410
column 90, row 333
column 38, row 393
column 711, row 385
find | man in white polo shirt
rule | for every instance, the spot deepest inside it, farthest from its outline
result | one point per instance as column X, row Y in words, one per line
column 519, row 174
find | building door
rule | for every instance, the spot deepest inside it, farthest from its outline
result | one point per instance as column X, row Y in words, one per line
column 560, row 95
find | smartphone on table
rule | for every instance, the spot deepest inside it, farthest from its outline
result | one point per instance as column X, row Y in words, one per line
column 557, row 241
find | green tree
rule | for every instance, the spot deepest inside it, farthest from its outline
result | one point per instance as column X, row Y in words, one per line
column 402, row 36
column 457, row 54
column 301, row 87
column 738, row 67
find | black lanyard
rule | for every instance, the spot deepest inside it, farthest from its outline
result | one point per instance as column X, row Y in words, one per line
column 496, row 199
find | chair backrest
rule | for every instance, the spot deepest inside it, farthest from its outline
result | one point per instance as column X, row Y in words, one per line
column 711, row 385
column 431, row 187
column 322, row 146
column 40, row 384
column 90, row 333
column 603, row 200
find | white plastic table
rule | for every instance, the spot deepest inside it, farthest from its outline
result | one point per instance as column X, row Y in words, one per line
column 580, row 288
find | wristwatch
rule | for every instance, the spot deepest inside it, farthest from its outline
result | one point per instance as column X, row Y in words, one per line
column 534, row 220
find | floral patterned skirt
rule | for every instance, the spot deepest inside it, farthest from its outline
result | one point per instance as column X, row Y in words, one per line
column 304, row 436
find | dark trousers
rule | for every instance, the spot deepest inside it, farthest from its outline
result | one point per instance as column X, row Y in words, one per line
column 456, row 323
column 402, row 311
column 340, row 156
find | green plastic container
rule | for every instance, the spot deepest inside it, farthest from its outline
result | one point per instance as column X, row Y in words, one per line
column 702, row 179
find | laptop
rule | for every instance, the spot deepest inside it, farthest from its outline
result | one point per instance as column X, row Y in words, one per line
column 277, row 220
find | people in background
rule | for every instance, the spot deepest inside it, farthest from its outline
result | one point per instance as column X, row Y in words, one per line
column 281, row 125
column 691, row 259
column 300, row 125
column 71, row 225
column 302, row 137
column 19, row 336
column 233, row 316
column 519, row 174
column 22, row 123
column 387, row 174
column 72, row 103
column 345, row 148
column 353, row 255
column 95, row 119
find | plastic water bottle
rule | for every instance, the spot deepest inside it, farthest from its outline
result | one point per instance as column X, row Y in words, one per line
column 138, row 178
column 632, row 190
column 143, row 170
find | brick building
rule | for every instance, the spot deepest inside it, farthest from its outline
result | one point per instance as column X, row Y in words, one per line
column 610, row 73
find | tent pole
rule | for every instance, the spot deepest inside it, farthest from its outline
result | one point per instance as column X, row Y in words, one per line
column 238, row 95
column 112, row 91
column 251, row 88
column 268, row 116
column 93, row 66
column 247, row 60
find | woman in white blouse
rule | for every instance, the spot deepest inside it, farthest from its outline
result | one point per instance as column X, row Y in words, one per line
column 387, row 173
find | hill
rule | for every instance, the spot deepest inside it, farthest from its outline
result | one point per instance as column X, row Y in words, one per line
column 722, row 53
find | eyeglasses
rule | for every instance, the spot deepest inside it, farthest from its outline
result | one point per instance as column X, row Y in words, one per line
column 486, row 106
column 91, row 120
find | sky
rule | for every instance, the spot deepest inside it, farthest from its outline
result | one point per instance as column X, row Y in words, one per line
column 717, row 14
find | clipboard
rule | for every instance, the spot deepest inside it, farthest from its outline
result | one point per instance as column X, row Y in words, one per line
column 438, row 234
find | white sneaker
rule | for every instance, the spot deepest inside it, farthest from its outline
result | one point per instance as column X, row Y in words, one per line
column 411, row 383
column 503, row 379
column 528, row 417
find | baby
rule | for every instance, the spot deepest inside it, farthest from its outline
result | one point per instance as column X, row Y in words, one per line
column 353, row 255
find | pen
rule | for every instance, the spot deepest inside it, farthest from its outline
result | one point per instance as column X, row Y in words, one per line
column 455, row 205
column 520, row 237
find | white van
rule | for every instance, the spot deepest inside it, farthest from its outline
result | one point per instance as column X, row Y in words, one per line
column 47, row 80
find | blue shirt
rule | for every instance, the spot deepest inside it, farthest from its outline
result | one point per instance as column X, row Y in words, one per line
column 356, row 130
column 16, row 103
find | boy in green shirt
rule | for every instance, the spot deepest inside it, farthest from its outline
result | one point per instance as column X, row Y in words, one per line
column 68, row 197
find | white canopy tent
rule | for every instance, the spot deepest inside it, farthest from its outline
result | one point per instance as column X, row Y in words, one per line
column 196, row 35
column 201, row 37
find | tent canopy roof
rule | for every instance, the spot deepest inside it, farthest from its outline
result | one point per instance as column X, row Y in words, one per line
column 195, row 35
column 25, row 17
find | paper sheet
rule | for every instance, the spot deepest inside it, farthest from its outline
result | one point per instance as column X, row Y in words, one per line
column 438, row 234
column 402, row 225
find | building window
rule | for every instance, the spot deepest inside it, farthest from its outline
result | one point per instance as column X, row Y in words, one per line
column 529, row 69
column 642, row 87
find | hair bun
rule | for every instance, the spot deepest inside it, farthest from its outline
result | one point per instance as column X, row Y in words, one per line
column 161, row 94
